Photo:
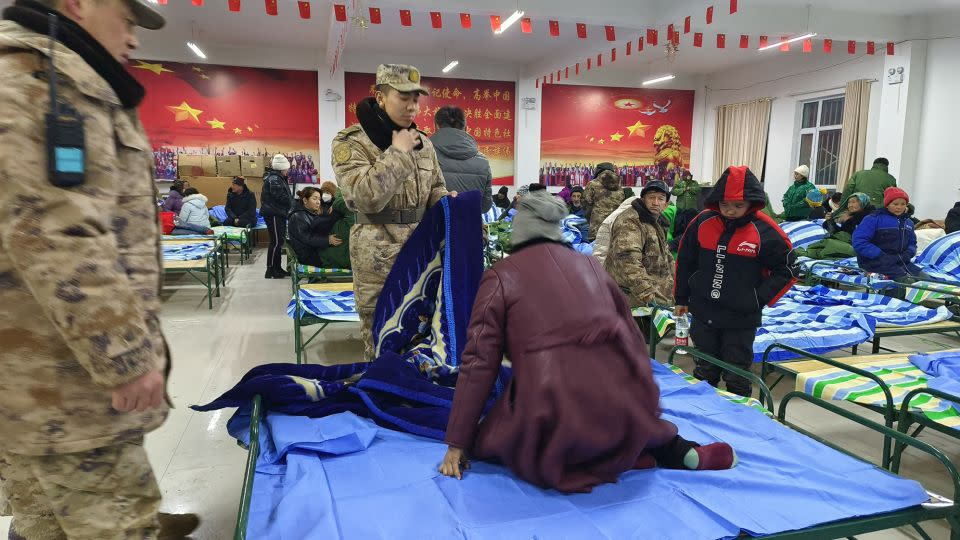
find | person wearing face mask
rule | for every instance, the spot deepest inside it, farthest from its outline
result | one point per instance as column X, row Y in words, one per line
column 639, row 257
column 389, row 175
column 309, row 226
column 733, row 260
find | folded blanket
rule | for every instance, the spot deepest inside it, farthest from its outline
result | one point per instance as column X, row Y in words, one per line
column 943, row 368
column 326, row 305
column 802, row 234
column 186, row 252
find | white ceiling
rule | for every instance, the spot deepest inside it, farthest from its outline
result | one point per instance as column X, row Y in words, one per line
column 213, row 25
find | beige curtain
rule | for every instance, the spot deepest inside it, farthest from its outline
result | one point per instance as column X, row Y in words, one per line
column 853, row 138
column 742, row 130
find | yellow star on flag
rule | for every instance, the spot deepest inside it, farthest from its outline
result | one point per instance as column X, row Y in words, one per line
column 616, row 137
column 601, row 141
column 198, row 70
column 215, row 124
column 238, row 131
column 250, row 129
column 205, row 77
column 256, row 126
column 155, row 68
column 185, row 111
column 592, row 139
column 639, row 129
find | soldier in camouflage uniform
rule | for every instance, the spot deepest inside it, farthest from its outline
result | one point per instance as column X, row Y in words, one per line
column 83, row 362
column 639, row 258
column 603, row 195
column 389, row 175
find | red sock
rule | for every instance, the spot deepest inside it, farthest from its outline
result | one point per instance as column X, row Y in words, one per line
column 715, row 457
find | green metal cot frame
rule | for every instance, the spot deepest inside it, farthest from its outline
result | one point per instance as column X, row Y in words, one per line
column 300, row 318
column 214, row 271
column 244, row 245
column 891, row 457
column 913, row 516
column 812, row 279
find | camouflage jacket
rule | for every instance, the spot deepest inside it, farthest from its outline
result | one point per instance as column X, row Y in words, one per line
column 601, row 197
column 79, row 267
column 639, row 258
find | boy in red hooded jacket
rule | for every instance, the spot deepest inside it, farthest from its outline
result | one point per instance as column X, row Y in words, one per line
column 733, row 259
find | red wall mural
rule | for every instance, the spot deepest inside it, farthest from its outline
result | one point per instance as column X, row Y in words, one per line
column 490, row 108
column 226, row 110
column 646, row 133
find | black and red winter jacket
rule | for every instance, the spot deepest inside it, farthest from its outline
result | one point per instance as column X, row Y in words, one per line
column 727, row 270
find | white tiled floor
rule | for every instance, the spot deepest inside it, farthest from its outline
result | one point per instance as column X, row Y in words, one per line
column 201, row 468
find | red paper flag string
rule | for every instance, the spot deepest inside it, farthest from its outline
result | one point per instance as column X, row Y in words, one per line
column 465, row 21
column 828, row 46
column 581, row 31
column 405, row 18
column 340, row 12
column 304, row 9
column 784, row 46
column 640, row 44
column 436, row 20
column 852, row 47
column 271, row 6
column 551, row 78
column 558, row 75
column 611, row 33
column 629, row 47
column 198, row 3
column 162, row 2
column 733, row 6
column 538, row 82
column 588, row 64
column 676, row 39
column 554, row 28
column 670, row 32
column 744, row 41
column 890, row 48
column 698, row 39
column 764, row 41
column 600, row 60
column 710, row 15
column 652, row 37
column 613, row 54
column 686, row 24
column 808, row 45
column 871, row 48
column 375, row 16
column 577, row 70
column 526, row 26
column 721, row 41
column 566, row 72
column 495, row 23
column 233, row 4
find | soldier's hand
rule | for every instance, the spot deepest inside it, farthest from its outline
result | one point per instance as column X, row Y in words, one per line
column 140, row 394
column 680, row 311
column 405, row 140
column 453, row 194
column 334, row 240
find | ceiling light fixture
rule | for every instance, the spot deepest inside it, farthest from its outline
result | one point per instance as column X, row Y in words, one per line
column 791, row 40
column 510, row 20
column 451, row 65
column 659, row 79
column 196, row 50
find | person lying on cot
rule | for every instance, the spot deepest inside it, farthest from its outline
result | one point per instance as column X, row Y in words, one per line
column 582, row 406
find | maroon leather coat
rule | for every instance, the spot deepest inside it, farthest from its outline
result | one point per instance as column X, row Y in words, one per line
column 582, row 404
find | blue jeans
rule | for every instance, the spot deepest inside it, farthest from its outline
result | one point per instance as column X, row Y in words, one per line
column 185, row 229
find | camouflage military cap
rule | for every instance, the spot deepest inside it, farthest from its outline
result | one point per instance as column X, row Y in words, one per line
column 401, row 77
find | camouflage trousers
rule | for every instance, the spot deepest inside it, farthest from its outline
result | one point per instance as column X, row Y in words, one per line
column 108, row 493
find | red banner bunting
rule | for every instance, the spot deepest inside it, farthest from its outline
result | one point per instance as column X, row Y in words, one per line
column 828, row 46
column 686, row 24
column 852, row 47
column 234, row 5
column 613, row 54
column 555, row 28
column 339, row 12
column 652, row 37
column 784, row 46
column 406, row 19
column 764, row 41
column 733, row 6
column 600, row 60
column 710, row 15
column 640, row 44
column 611, row 33
column 375, row 16
column 526, row 25
column 271, row 6
column 436, row 20
column 465, row 21
column 495, row 23
column 890, row 48
column 581, row 31
column 721, row 41
column 629, row 47
column 698, row 39
column 304, row 9
column 198, row 3
column 577, row 70
column 871, row 48
column 744, row 41
column 808, row 45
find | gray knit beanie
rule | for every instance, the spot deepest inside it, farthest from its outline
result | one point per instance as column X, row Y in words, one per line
column 538, row 216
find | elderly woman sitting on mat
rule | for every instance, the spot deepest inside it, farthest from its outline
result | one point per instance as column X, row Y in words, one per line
column 582, row 406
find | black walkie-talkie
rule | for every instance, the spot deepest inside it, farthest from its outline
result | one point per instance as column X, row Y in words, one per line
column 66, row 152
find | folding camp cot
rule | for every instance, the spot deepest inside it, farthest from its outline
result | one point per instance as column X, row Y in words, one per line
column 212, row 264
column 881, row 383
column 619, row 513
column 238, row 238
column 300, row 272
column 302, row 318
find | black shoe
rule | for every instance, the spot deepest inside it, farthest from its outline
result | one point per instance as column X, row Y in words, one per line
column 281, row 274
column 270, row 274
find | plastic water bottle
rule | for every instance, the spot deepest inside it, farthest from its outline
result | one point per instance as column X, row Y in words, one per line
column 681, row 332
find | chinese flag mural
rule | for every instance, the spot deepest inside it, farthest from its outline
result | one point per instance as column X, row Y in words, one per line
column 490, row 108
column 223, row 110
column 646, row 133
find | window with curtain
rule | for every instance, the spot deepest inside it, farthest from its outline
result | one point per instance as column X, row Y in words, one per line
column 821, row 126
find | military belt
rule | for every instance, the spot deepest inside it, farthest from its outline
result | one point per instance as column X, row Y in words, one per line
column 391, row 217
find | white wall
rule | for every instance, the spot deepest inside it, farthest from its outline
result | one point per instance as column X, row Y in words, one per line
column 790, row 80
column 937, row 177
